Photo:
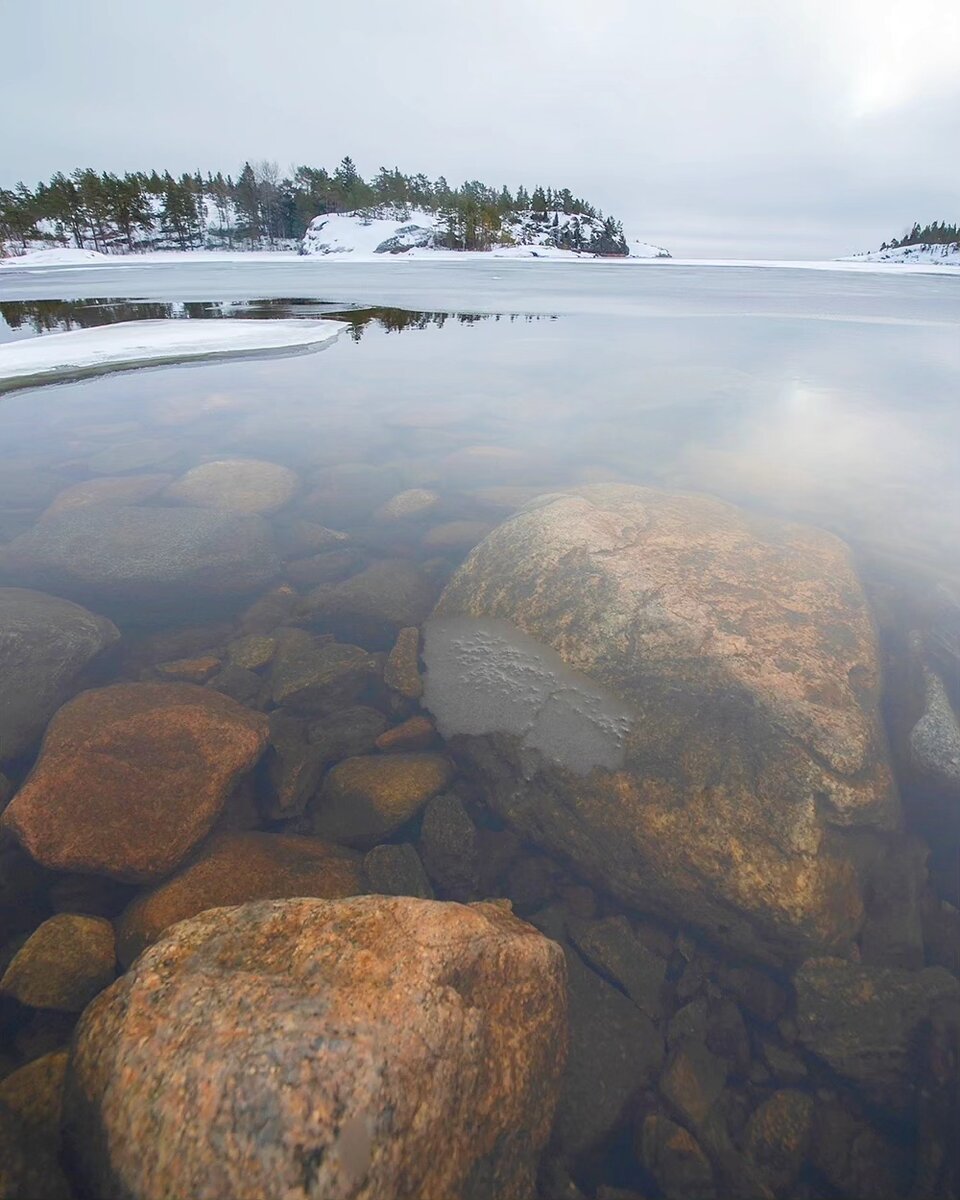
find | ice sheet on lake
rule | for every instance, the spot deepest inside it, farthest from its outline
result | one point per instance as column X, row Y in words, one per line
column 142, row 343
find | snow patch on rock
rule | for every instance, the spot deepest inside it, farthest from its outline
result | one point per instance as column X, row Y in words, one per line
column 487, row 676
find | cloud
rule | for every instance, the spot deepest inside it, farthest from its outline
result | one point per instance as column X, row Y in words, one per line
column 748, row 128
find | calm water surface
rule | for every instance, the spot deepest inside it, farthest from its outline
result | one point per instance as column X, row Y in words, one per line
column 824, row 395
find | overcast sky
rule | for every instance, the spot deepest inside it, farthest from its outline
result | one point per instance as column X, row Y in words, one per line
column 746, row 128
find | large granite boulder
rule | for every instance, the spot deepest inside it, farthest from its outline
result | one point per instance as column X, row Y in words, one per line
column 315, row 1049
column 45, row 643
column 147, row 556
column 131, row 777
column 681, row 698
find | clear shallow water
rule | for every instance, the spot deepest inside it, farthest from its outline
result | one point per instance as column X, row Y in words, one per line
column 825, row 397
column 828, row 396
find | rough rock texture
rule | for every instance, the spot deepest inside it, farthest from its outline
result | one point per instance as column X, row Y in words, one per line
column 402, row 669
column 778, row 1138
column 252, row 651
column 63, row 964
column 151, row 556
column 935, row 739
column 189, row 670
column 315, row 1049
column 45, row 643
column 35, row 1092
column 244, row 485
column 363, row 800
column 448, row 846
column 407, row 506
column 233, row 868
column 682, row 699
column 310, row 675
column 107, row 491
column 396, row 870
column 870, row 1024
column 131, row 777
column 416, row 733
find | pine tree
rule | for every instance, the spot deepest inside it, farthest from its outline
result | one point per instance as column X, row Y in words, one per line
column 247, row 200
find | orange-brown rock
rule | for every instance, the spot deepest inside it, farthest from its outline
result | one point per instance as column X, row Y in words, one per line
column 63, row 964
column 682, row 699
column 189, row 670
column 234, row 868
column 402, row 669
column 416, row 733
column 365, row 799
column 131, row 777
column 778, row 1137
column 371, row 1047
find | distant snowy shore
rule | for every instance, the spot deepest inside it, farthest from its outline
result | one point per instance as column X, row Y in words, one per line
column 68, row 260
column 946, row 254
column 416, row 233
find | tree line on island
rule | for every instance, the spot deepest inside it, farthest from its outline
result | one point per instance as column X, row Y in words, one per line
column 261, row 209
column 937, row 233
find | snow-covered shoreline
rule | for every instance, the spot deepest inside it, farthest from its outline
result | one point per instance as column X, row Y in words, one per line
column 945, row 254
column 150, row 343
column 74, row 260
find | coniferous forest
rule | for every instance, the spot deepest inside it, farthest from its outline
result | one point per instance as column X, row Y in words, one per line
column 937, row 233
column 262, row 209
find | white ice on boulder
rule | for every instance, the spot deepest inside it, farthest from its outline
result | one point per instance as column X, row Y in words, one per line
column 142, row 343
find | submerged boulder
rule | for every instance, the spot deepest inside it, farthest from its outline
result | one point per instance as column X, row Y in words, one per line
column 63, row 964
column 245, row 485
column 365, row 799
column 351, row 1048
column 131, row 777
column 679, row 697
column 234, row 868
column 45, row 643
column 873, row 1025
column 148, row 556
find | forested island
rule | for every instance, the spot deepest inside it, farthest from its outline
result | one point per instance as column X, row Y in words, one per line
column 262, row 209
column 936, row 233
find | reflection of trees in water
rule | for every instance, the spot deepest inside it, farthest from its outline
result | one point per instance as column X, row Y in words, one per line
column 47, row 316
column 396, row 320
